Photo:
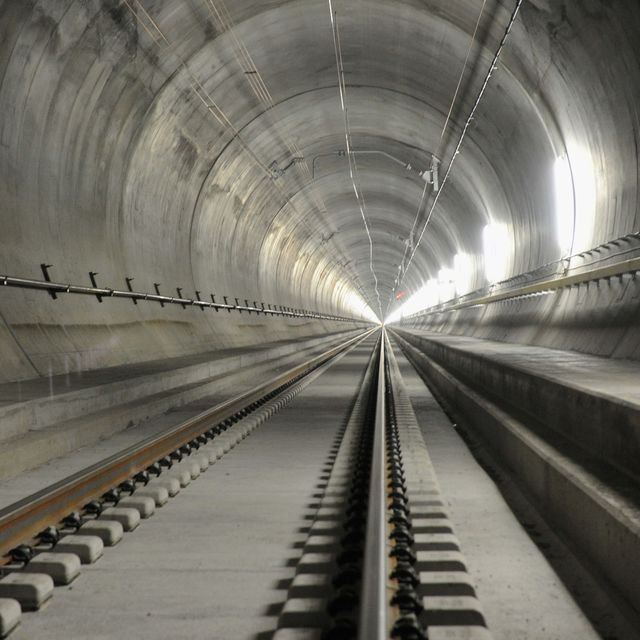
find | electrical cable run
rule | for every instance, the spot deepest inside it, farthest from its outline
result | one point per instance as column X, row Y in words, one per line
column 56, row 288
column 353, row 167
column 492, row 68
column 439, row 149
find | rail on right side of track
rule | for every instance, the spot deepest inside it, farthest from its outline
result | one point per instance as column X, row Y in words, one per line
column 381, row 559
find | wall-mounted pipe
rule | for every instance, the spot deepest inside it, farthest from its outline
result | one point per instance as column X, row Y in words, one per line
column 54, row 288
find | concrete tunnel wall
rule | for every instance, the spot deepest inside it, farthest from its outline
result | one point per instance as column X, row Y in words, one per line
column 135, row 141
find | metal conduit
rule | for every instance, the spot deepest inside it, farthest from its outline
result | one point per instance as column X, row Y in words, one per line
column 107, row 292
column 374, row 623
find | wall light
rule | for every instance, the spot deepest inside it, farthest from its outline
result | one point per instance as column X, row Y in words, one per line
column 497, row 251
column 565, row 203
column 575, row 199
column 446, row 285
column 463, row 273
column 427, row 296
column 584, row 180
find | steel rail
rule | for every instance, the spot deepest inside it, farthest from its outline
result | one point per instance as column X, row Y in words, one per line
column 22, row 521
column 107, row 292
column 606, row 272
column 374, row 623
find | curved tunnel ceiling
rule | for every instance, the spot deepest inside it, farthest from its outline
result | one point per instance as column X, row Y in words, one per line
column 140, row 136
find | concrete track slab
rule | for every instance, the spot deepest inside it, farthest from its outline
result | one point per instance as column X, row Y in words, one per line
column 610, row 377
column 49, row 387
column 47, row 421
column 521, row 595
column 586, row 406
column 210, row 564
column 28, row 482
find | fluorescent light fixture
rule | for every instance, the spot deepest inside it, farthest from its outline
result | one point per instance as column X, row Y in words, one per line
column 463, row 273
column 497, row 251
column 446, row 285
column 565, row 203
column 356, row 304
column 584, row 181
column 430, row 295
column 575, row 200
column 427, row 296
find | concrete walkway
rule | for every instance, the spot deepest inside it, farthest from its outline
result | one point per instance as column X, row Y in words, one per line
column 52, row 386
column 521, row 594
column 612, row 378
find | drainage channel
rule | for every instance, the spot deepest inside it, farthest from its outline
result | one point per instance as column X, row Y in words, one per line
column 381, row 559
column 45, row 538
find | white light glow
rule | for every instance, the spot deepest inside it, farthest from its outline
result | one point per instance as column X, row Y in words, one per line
column 446, row 285
column 575, row 200
column 356, row 304
column 564, row 203
column 427, row 296
column 497, row 251
column 449, row 284
column 463, row 273
column 585, row 190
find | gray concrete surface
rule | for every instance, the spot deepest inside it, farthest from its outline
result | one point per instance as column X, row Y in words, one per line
column 594, row 402
column 41, row 421
column 214, row 561
column 521, row 594
column 609, row 378
column 78, row 457
column 209, row 564
column 590, row 504
column 111, row 163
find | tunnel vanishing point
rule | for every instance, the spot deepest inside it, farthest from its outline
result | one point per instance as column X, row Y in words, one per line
column 320, row 319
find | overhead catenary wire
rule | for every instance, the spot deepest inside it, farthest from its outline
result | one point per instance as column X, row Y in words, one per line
column 353, row 168
column 158, row 37
column 439, row 150
column 461, row 76
column 220, row 13
column 492, row 68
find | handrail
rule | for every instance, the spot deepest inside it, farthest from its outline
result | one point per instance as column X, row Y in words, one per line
column 618, row 269
column 23, row 520
column 373, row 604
column 54, row 288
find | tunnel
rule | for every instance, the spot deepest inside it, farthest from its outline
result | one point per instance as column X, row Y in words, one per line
column 344, row 294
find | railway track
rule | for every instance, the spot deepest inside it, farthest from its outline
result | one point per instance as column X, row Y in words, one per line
column 47, row 536
column 381, row 559
column 377, row 556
